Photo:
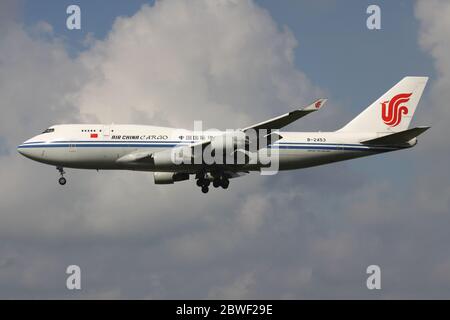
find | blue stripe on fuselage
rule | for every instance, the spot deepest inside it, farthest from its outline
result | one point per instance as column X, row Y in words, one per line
column 170, row 144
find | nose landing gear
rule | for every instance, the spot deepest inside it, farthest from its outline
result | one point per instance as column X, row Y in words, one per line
column 62, row 181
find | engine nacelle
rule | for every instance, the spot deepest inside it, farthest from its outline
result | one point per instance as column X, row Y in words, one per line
column 163, row 159
column 171, row 157
column 169, row 177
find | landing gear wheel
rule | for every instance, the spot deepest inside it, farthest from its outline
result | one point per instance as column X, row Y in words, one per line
column 206, row 183
column 205, row 189
column 62, row 181
column 216, row 183
column 225, row 183
column 200, row 182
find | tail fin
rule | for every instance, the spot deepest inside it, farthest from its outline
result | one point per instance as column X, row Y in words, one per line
column 393, row 111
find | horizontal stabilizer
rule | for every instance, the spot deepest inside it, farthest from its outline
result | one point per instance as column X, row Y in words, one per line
column 398, row 138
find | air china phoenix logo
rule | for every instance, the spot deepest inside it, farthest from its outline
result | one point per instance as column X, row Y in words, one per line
column 318, row 104
column 392, row 111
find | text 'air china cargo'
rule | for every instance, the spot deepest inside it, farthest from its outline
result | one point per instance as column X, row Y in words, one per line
column 216, row 156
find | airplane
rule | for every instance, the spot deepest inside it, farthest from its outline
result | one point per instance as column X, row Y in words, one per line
column 381, row 127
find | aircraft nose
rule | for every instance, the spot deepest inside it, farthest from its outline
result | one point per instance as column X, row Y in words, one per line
column 22, row 149
column 26, row 149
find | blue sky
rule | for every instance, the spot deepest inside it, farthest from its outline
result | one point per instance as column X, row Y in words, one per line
column 334, row 44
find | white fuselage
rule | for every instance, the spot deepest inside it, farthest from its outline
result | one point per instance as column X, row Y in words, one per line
column 100, row 146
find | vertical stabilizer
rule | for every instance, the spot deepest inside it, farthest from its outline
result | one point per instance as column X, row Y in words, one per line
column 393, row 111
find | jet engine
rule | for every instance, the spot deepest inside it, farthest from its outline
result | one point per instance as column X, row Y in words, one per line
column 169, row 177
column 175, row 156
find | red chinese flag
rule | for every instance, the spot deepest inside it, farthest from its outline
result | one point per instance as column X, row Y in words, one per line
column 94, row 135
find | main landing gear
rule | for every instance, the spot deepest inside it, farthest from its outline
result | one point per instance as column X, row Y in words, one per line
column 62, row 181
column 218, row 181
column 203, row 184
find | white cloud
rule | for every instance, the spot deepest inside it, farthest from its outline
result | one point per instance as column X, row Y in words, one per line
column 177, row 61
column 37, row 79
column 435, row 26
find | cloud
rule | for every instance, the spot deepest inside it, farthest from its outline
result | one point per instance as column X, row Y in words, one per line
column 169, row 64
column 175, row 62
column 239, row 289
column 37, row 79
column 9, row 12
column 302, row 234
column 434, row 27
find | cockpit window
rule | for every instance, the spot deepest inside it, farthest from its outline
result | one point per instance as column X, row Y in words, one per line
column 48, row 130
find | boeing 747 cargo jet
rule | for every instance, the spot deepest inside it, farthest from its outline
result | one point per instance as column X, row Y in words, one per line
column 175, row 154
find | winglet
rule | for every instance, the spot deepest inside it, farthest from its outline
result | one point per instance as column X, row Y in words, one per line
column 287, row 118
column 316, row 105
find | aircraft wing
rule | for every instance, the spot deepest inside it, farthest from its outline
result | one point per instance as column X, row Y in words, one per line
column 231, row 174
column 143, row 158
column 287, row 118
column 274, row 123
column 235, row 174
column 146, row 156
